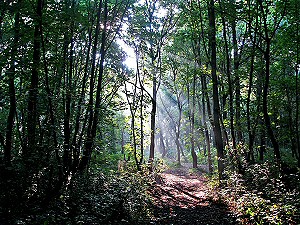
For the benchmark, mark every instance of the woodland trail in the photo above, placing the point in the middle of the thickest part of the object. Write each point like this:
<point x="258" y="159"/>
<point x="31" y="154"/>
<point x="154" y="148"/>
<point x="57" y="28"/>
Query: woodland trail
<point x="181" y="197"/>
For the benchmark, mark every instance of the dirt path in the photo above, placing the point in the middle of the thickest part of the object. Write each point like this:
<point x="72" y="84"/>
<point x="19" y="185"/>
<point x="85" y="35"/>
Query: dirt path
<point x="182" y="198"/>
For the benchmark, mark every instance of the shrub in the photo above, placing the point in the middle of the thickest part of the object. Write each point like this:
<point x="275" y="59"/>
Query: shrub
<point x="261" y="197"/>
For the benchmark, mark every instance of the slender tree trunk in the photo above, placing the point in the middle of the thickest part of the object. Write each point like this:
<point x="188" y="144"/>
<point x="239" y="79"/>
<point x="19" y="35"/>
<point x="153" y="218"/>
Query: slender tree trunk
<point x="251" y="131"/>
<point x="141" y="102"/>
<point x="12" y="93"/>
<point x="167" y="144"/>
<point x="153" y="115"/>
<point x="134" y="141"/>
<point x="206" y="133"/>
<point x="265" y="102"/>
<point x="290" y="125"/>
<point x="297" y="95"/>
<point x="100" y="73"/>
<point x="205" y="122"/>
<point x="162" y="144"/>
<point x="250" y="157"/>
<point x="95" y="116"/>
<point x="142" y="124"/>
<point x="194" y="155"/>
<point x="75" y="143"/>
<point x="67" y="114"/>
<point x="176" y="126"/>
<point x="262" y="147"/>
<point x="216" y="106"/>
<point x="178" y="149"/>
<point x="133" y="108"/>
<point x="178" y="130"/>
<point x="236" y="64"/>
<point x="230" y="90"/>
<point x="297" y="115"/>
<point x="33" y="91"/>
<point x="182" y="151"/>
<point x="92" y="75"/>
<point x="2" y="11"/>
<point x="156" y="40"/>
<point x="267" y="55"/>
<point x="50" y="102"/>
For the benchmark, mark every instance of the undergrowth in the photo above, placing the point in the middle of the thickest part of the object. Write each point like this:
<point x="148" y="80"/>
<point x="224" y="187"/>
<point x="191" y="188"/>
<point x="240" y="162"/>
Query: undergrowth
<point x="262" y="195"/>
<point x="97" y="198"/>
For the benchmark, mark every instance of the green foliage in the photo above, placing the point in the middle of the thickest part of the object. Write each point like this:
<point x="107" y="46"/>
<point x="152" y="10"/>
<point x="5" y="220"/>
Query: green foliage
<point x="112" y="200"/>
<point x="96" y="199"/>
<point x="174" y="165"/>
<point x="197" y="170"/>
<point x="160" y="165"/>
<point x="288" y="158"/>
<point x="261" y="196"/>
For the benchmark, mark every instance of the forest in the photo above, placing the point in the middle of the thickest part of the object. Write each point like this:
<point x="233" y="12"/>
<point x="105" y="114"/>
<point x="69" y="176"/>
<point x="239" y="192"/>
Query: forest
<point x="149" y="112"/>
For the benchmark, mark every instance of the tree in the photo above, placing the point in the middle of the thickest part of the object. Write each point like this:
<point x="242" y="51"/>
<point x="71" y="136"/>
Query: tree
<point x="268" y="35"/>
<point x="216" y="106"/>
<point x="175" y="95"/>
<point x="153" y="30"/>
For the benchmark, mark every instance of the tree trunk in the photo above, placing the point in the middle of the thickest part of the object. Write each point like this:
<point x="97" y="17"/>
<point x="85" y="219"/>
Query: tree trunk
<point x="230" y="90"/>
<point x="265" y="102"/>
<point x="50" y="102"/>
<point x="205" y="122"/>
<point x="162" y="144"/>
<point x="12" y="94"/>
<point x="133" y="108"/>
<point x="251" y="131"/>
<point x="33" y="91"/>
<point x="262" y="148"/>
<point x="67" y="104"/>
<point x="297" y="97"/>
<point x="142" y="124"/>
<point x="236" y="64"/>
<point x="95" y="113"/>
<point x="194" y="155"/>
<point x="178" y="129"/>
<point x="153" y="115"/>
<point x="75" y="142"/>
<point x="216" y="106"/>
<point x="267" y="55"/>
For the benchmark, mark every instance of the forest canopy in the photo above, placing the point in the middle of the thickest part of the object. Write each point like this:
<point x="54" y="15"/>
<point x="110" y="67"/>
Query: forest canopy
<point x="86" y="85"/>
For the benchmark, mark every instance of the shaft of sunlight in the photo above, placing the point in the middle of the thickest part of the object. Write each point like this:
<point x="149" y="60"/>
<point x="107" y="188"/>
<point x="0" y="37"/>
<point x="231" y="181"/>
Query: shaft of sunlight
<point x="130" y="60"/>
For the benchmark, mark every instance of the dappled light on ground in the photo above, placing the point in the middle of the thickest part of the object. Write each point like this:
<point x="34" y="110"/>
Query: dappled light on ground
<point x="183" y="198"/>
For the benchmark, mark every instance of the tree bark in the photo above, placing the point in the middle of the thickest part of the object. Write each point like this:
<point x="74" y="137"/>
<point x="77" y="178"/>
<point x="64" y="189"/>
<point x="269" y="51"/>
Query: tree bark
<point x="75" y="142"/>
<point x="216" y="106"/>
<point x="67" y="103"/>
<point x="229" y="80"/>
<point x="94" y="114"/>
<point x="267" y="55"/>
<point x="265" y="101"/>
<point x="33" y="91"/>
<point x="12" y="93"/>
<point x="206" y="132"/>
<point x="193" y="153"/>
<point x="162" y="144"/>
<point x="50" y="102"/>
<point x="153" y="115"/>
<point x="251" y="131"/>
<point x="297" y="95"/>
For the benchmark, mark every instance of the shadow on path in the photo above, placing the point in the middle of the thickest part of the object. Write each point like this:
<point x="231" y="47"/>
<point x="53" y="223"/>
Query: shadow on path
<point x="183" y="198"/>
